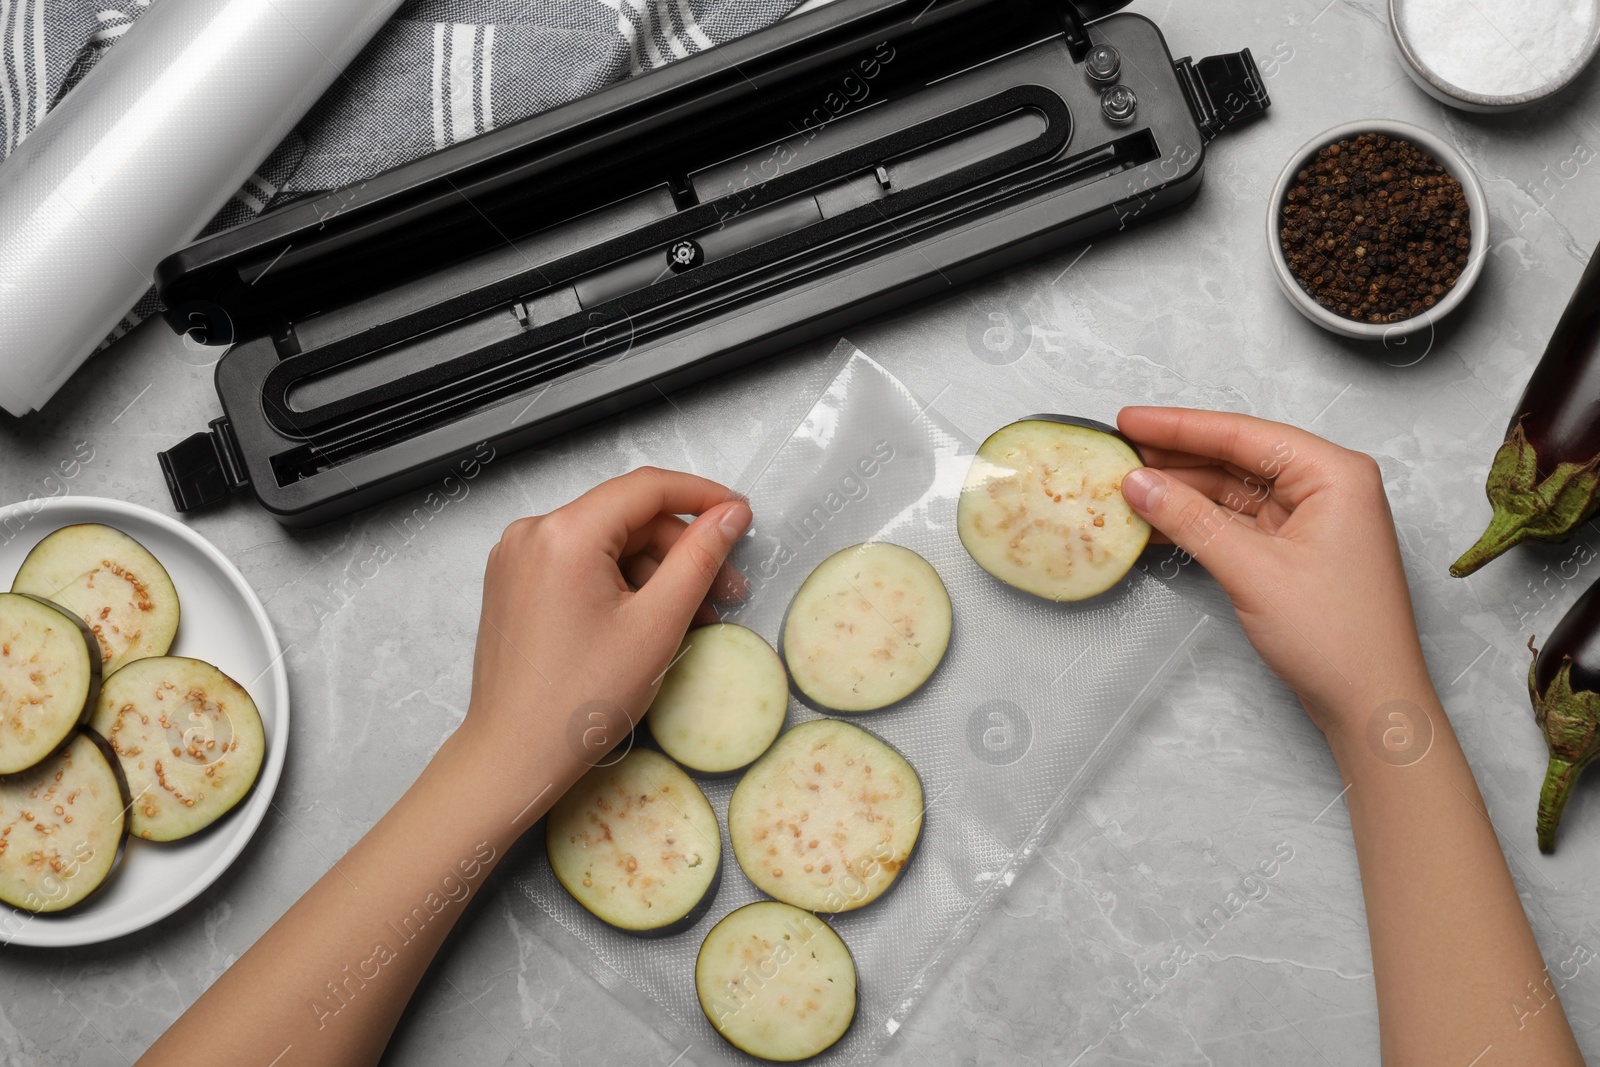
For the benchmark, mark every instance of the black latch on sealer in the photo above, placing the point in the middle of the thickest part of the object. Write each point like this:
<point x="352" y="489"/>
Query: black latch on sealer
<point x="204" y="468"/>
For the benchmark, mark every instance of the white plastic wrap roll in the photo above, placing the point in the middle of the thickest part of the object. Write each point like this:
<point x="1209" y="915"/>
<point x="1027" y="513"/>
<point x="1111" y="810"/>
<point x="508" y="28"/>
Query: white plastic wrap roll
<point x="140" y="155"/>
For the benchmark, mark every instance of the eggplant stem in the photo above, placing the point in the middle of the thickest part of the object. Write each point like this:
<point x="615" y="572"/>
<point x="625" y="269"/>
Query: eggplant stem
<point x="1559" y="778"/>
<point x="1530" y="505"/>
<point x="1505" y="532"/>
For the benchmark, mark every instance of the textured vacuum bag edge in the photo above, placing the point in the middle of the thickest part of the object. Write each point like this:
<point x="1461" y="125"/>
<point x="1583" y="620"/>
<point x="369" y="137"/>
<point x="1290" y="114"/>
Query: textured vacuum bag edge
<point x="140" y="155"/>
<point x="1030" y="699"/>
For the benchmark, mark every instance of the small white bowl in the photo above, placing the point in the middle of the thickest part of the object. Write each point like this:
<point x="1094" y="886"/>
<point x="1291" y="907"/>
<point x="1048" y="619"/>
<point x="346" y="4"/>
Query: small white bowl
<point x="1446" y="92"/>
<point x="1477" y="214"/>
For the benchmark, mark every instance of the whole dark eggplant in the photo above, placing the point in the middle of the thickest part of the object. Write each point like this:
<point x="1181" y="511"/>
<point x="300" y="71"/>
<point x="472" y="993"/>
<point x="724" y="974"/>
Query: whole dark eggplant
<point x="1545" y="479"/>
<point x="1564" y="685"/>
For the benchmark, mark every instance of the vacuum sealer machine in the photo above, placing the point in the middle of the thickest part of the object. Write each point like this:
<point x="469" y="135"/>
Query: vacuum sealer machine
<point x="595" y="257"/>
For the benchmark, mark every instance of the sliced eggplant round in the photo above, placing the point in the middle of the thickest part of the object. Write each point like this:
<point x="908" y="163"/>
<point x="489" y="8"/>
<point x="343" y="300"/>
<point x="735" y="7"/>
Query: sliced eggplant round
<point x="1042" y="507"/>
<point x="112" y="582"/>
<point x="62" y="825"/>
<point x="189" y="740"/>
<point x="866" y="628"/>
<point x="776" y="982"/>
<point x="722" y="701"/>
<point x="827" y="818"/>
<point x="636" y="843"/>
<point x="49" y="678"/>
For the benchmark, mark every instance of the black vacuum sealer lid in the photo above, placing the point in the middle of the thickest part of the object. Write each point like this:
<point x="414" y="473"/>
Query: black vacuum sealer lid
<point x="687" y="219"/>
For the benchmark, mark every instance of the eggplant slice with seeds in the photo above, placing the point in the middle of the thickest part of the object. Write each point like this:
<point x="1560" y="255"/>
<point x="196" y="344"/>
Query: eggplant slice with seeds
<point x="189" y="739"/>
<point x="62" y="824"/>
<point x="112" y="582"/>
<point x="776" y="982"/>
<point x="637" y="844"/>
<point x="827" y="818"/>
<point x="866" y="628"/>
<point x="49" y="678"/>
<point x="1042" y="507"/>
<point x="722" y="701"/>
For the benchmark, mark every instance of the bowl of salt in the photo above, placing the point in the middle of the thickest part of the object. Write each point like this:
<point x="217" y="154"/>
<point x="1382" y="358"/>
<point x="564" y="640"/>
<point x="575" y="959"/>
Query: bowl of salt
<point x="1494" y="56"/>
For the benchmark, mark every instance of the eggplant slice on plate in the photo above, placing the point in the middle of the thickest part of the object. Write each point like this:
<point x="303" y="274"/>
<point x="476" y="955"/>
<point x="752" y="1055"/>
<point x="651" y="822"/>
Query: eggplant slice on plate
<point x="722" y="701"/>
<point x="1042" y="507"/>
<point x="827" y="818"/>
<point x="112" y="582"/>
<point x="866" y="628"/>
<point x="49" y="678"/>
<point x="189" y="739"/>
<point x="62" y="824"/>
<point x="776" y="982"/>
<point x="636" y="843"/>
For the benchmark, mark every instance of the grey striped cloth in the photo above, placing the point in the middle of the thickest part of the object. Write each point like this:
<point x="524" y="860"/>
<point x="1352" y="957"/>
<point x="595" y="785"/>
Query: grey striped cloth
<point x="441" y="71"/>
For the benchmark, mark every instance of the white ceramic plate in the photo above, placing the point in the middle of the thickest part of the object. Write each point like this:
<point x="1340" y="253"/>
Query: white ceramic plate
<point x="222" y="622"/>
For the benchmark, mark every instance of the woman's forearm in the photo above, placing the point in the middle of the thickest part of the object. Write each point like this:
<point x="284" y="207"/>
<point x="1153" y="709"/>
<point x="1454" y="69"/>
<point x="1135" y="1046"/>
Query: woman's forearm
<point x="327" y="983"/>
<point x="583" y="611"/>
<point x="1452" y="952"/>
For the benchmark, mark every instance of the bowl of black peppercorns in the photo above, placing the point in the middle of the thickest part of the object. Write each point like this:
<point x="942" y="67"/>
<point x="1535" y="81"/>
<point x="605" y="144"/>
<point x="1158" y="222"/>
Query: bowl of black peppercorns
<point x="1377" y="229"/>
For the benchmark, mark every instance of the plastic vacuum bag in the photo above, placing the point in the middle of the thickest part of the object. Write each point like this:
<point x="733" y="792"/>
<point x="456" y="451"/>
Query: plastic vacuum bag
<point x="1030" y="698"/>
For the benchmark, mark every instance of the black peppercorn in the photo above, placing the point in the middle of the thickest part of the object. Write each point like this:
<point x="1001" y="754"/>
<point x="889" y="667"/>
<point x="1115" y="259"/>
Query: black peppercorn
<point x="1372" y="201"/>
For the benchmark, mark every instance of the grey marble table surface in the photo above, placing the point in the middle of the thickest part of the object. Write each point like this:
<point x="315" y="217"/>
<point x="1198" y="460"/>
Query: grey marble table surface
<point x="1222" y="771"/>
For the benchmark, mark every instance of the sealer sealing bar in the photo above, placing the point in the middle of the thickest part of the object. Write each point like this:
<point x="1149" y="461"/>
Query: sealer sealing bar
<point x="640" y="286"/>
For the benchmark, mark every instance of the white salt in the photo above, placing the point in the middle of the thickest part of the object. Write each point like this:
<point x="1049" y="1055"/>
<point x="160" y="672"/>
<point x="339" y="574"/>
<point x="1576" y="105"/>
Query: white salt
<point x="1498" y="47"/>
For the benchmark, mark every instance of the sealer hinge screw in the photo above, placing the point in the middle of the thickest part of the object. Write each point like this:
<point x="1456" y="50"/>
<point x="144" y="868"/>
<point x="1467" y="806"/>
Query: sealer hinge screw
<point x="1119" y="104"/>
<point x="1102" y="64"/>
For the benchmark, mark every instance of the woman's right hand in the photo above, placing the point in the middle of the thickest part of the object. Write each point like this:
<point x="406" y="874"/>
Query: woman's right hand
<point x="1298" y="533"/>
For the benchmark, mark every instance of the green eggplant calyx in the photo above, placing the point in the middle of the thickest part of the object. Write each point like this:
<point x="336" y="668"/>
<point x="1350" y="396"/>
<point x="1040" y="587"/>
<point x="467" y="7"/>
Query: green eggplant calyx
<point x="1570" y="722"/>
<point x="1558" y="781"/>
<point x="1533" y="684"/>
<point x="1527" y="506"/>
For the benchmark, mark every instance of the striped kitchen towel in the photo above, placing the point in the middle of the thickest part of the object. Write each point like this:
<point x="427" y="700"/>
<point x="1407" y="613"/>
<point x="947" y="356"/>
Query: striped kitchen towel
<point x="441" y="71"/>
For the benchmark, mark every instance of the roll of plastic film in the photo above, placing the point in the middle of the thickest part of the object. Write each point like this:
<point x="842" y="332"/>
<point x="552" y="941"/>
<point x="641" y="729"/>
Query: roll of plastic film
<point x="140" y="155"/>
